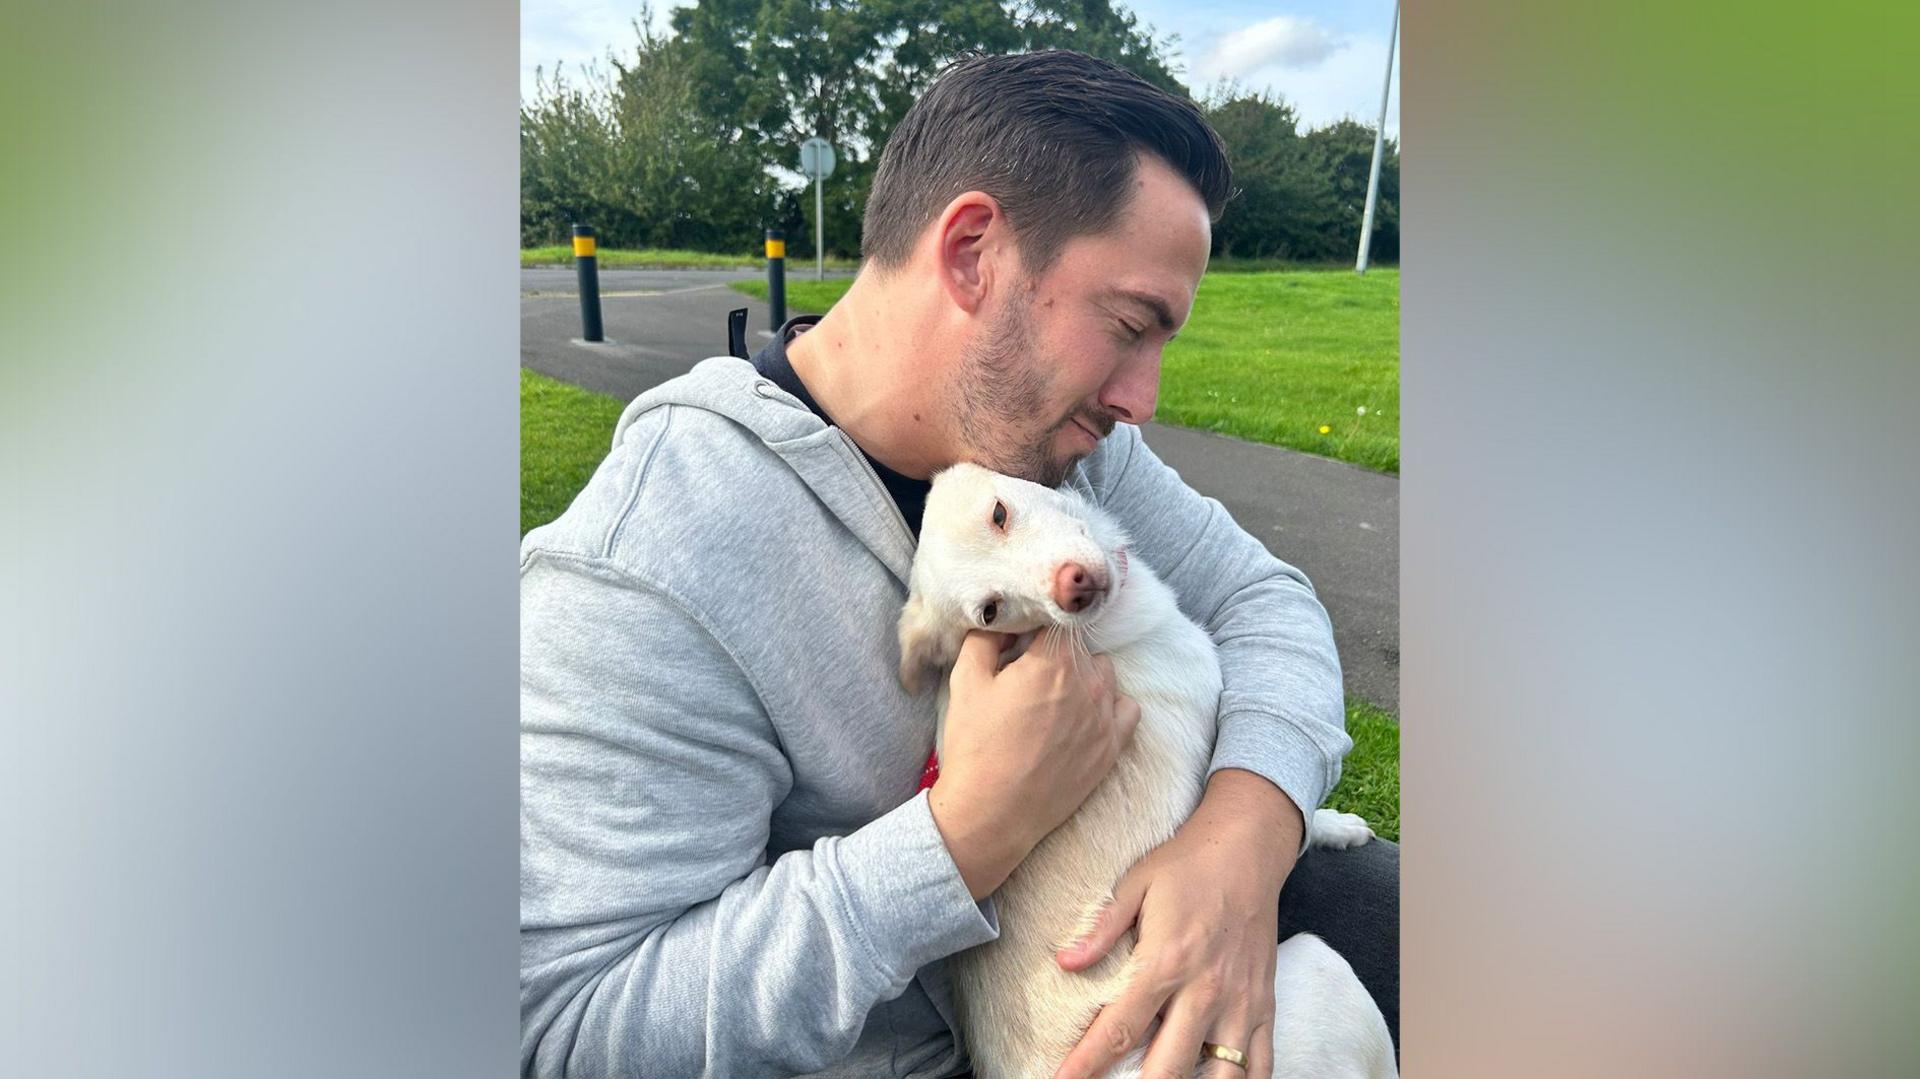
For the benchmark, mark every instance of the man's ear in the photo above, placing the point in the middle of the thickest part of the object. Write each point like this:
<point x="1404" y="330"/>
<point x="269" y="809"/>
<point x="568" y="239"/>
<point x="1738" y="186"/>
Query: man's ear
<point x="965" y="235"/>
<point x="926" y="648"/>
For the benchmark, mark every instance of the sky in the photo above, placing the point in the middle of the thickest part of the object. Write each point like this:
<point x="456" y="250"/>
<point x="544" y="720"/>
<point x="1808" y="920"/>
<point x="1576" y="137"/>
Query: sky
<point x="1326" y="58"/>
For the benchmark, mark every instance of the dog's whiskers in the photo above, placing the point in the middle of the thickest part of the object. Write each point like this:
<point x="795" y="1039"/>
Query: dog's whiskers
<point x="1077" y="646"/>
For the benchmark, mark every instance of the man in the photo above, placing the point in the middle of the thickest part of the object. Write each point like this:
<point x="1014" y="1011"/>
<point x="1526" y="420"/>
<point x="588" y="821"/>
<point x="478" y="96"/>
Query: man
<point x="725" y="868"/>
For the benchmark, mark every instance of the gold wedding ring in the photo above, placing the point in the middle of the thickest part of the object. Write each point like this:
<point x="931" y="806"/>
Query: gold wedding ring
<point x="1220" y="1052"/>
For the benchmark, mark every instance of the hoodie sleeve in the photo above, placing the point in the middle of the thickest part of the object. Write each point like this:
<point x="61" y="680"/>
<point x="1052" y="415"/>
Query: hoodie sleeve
<point x="656" y="938"/>
<point x="1282" y="709"/>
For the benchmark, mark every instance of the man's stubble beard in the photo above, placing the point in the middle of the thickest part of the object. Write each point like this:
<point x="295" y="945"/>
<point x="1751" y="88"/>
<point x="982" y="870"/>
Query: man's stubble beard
<point x="1002" y="383"/>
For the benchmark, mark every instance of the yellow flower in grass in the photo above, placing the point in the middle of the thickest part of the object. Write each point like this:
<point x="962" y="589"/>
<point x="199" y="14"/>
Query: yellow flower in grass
<point x="1325" y="430"/>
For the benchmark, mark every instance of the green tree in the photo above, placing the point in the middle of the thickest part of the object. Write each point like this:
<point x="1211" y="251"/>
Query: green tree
<point x="1281" y="205"/>
<point x="777" y="72"/>
<point x="567" y="144"/>
<point x="1343" y="152"/>
<point x="692" y="139"/>
<point x="1300" y="195"/>
<point x="637" y="152"/>
<point x="1098" y="28"/>
<point x="785" y="70"/>
<point x="694" y="181"/>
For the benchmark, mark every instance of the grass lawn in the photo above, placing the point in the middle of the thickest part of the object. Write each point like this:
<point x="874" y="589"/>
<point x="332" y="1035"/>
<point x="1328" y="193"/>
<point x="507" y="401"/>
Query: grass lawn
<point x="1271" y="357"/>
<point x="565" y="431"/>
<point x="807" y="297"/>
<point x="1221" y="264"/>
<point x="1370" y="780"/>
<point x="654" y="258"/>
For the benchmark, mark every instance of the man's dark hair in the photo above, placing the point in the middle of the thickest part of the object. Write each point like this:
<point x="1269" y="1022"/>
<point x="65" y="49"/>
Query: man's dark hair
<point x="1054" y="137"/>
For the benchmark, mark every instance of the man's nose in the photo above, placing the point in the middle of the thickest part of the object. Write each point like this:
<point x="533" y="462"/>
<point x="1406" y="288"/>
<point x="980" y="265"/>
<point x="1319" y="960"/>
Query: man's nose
<point x="1133" y="391"/>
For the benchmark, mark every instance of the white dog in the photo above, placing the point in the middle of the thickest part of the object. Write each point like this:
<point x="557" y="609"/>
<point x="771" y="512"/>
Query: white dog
<point x="1002" y="554"/>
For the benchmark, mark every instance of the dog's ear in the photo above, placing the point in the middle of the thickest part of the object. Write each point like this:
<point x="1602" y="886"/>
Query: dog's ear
<point x="926" y="648"/>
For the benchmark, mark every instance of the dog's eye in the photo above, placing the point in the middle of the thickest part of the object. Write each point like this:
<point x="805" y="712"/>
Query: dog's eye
<point x="989" y="613"/>
<point x="1000" y="516"/>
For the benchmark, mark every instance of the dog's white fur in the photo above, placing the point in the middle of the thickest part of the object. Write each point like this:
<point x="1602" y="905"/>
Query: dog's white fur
<point x="1021" y="1013"/>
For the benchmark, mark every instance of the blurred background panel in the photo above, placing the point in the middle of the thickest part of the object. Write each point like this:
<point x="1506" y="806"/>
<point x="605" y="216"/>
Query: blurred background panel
<point x="1659" y="593"/>
<point x="1657" y="614"/>
<point x="257" y="399"/>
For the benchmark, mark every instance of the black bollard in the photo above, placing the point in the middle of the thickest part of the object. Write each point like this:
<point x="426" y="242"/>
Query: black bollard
<point x="588" y="265"/>
<point x="777" y="277"/>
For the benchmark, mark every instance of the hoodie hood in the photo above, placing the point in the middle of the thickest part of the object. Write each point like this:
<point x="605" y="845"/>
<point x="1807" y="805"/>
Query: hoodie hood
<point x="825" y="458"/>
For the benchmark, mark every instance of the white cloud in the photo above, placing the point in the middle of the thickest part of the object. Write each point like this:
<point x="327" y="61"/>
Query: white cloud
<point x="1284" y="41"/>
<point x="1343" y="82"/>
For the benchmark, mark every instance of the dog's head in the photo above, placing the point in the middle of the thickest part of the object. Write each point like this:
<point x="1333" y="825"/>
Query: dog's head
<point x="1002" y="554"/>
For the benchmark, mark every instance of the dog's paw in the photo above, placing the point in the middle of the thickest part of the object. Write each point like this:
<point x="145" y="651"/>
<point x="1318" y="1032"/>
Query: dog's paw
<point x="1338" y="831"/>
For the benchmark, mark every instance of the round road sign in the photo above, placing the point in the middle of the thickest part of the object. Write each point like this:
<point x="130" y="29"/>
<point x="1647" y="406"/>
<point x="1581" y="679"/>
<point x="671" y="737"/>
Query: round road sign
<point x="816" y="158"/>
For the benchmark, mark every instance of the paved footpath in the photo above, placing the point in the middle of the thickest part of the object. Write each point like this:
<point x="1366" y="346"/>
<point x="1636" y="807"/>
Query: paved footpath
<point x="1338" y="523"/>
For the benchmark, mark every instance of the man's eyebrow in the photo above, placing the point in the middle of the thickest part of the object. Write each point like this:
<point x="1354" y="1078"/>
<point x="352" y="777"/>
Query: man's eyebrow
<point x="1154" y="306"/>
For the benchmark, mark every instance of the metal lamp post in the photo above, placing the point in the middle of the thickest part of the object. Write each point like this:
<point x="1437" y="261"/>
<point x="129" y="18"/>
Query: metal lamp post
<point x="1379" y="138"/>
<point x="816" y="161"/>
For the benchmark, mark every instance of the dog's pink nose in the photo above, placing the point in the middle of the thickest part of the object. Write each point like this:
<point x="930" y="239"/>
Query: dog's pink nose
<point x="1075" y="587"/>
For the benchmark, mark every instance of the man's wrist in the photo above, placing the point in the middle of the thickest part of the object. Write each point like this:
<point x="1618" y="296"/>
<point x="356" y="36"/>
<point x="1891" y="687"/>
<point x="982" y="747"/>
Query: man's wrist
<point x="985" y="856"/>
<point x="1246" y="807"/>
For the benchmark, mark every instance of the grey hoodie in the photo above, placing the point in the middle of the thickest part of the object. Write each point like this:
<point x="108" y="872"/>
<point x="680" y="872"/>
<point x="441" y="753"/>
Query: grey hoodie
<point x="724" y="868"/>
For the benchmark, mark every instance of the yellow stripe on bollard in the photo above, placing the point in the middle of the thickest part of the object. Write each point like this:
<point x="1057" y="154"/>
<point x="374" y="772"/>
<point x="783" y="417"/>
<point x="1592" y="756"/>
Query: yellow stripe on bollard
<point x="582" y="247"/>
<point x="776" y="249"/>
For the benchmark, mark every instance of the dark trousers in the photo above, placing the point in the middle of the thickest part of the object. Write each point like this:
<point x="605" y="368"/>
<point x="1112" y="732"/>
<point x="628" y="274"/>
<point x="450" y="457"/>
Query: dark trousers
<point x="1351" y="899"/>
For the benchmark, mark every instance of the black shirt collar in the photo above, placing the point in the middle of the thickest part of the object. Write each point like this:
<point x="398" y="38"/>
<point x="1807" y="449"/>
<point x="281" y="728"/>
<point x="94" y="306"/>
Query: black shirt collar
<point x="908" y="493"/>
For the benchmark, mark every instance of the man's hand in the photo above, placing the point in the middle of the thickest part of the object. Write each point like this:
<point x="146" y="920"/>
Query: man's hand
<point x="1207" y="904"/>
<point x="1024" y="746"/>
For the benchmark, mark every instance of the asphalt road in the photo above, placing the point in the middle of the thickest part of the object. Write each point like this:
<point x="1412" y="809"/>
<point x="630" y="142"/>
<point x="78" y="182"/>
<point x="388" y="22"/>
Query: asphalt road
<point x="1337" y="523"/>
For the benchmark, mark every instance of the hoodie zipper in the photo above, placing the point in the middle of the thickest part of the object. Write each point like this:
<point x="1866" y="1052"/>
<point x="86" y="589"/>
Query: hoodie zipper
<point x="885" y="495"/>
<point x="762" y="385"/>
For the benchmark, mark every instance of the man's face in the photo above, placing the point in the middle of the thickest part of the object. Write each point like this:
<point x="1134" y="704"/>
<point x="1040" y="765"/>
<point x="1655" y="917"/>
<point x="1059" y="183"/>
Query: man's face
<point x="1068" y="353"/>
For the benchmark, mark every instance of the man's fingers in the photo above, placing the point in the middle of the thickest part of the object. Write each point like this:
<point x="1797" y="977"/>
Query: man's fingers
<point x="1114" y="921"/>
<point x="1102" y="681"/>
<point x="1051" y="648"/>
<point x="979" y="653"/>
<point x="1049" y="645"/>
<point x="1237" y="1027"/>
<point x="1176" y="1047"/>
<point x="1126" y="718"/>
<point x="1114" y="1032"/>
<point x="1112" y="1035"/>
<point x="1259" y="1050"/>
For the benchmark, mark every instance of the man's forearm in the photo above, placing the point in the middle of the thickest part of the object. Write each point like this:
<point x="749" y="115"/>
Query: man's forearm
<point x="985" y="857"/>
<point x="1242" y="807"/>
<point x="775" y="975"/>
<point x="655" y="938"/>
<point x="1282" y="705"/>
<point x="1282" y="710"/>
